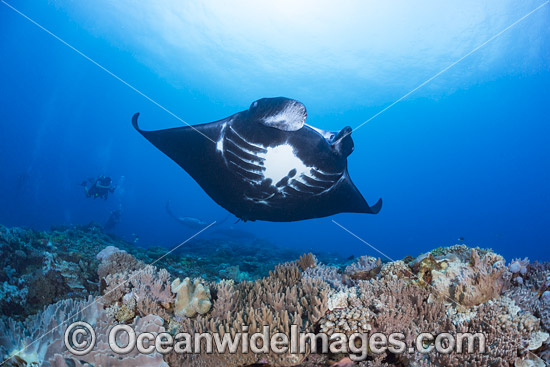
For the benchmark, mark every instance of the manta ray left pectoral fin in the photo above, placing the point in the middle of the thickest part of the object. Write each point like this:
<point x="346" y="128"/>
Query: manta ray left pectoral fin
<point x="208" y="131"/>
<point x="188" y="146"/>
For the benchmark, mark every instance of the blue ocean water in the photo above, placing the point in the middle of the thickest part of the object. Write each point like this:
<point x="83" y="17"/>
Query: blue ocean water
<point x="464" y="156"/>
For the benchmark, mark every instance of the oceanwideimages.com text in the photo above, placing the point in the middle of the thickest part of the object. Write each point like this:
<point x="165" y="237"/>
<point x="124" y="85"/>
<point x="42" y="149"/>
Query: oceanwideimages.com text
<point x="80" y="339"/>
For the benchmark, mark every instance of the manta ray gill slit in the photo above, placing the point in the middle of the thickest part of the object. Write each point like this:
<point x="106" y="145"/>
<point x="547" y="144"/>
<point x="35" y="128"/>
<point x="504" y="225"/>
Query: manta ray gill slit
<point x="219" y="143"/>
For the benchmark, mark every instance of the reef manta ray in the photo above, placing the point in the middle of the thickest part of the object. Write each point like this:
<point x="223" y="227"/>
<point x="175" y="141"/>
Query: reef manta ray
<point x="266" y="163"/>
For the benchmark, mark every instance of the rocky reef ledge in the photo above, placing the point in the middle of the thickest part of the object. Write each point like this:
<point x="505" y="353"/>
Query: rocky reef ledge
<point x="50" y="279"/>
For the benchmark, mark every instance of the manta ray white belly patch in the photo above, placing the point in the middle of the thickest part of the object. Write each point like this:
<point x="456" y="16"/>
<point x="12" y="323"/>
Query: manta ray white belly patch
<point x="280" y="161"/>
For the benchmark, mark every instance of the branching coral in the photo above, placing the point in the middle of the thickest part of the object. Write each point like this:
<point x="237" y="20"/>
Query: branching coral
<point x="307" y="261"/>
<point x="116" y="261"/>
<point x="149" y="287"/>
<point x="533" y="303"/>
<point x="506" y="332"/>
<point x="280" y="300"/>
<point x="328" y="274"/>
<point x="388" y="307"/>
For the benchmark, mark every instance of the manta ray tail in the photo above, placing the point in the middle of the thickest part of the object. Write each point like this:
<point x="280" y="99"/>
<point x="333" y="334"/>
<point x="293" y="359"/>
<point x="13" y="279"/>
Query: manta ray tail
<point x="169" y="211"/>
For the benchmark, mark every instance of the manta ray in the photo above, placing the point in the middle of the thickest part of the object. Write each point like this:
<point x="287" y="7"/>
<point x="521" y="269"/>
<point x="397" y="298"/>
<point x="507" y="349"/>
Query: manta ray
<point x="189" y="222"/>
<point x="266" y="163"/>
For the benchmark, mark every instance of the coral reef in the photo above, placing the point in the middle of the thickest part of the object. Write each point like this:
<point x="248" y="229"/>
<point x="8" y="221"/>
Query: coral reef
<point x="364" y="268"/>
<point x="40" y="337"/>
<point x="327" y="273"/>
<point x="144" y="292"/>
<point x="40" y="268"/>
<point x="115" y="261"/>
<point x="192" y="298"/>
<point x="65" y="263"/>
<point x="448" y="290"/>
<point x="307" y="261"/>
<point x="468" y="282"/>
<point x="278" y="301"/>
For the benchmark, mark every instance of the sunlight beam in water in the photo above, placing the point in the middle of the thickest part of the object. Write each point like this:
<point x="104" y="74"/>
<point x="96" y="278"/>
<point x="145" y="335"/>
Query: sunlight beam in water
<point x="349" y="48"/>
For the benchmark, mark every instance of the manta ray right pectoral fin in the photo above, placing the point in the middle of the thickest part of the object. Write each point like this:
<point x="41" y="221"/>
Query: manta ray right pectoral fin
<point x="353" y="201"/>
<point x="135" y="121"/>
<point x="360" y="205"/>
<point x="376" y="207"/>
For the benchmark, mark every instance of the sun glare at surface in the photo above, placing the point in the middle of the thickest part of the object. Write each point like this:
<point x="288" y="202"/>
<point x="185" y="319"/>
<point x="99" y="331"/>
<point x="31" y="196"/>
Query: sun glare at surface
<point x="347" y="48"/>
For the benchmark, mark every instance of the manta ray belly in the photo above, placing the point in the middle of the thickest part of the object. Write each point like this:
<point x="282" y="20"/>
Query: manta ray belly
<point x="280" y="162"/>
<point x="273" y="173"/>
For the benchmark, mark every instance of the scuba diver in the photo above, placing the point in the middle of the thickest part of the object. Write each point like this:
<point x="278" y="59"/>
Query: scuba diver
<point x="99" y="188"/>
